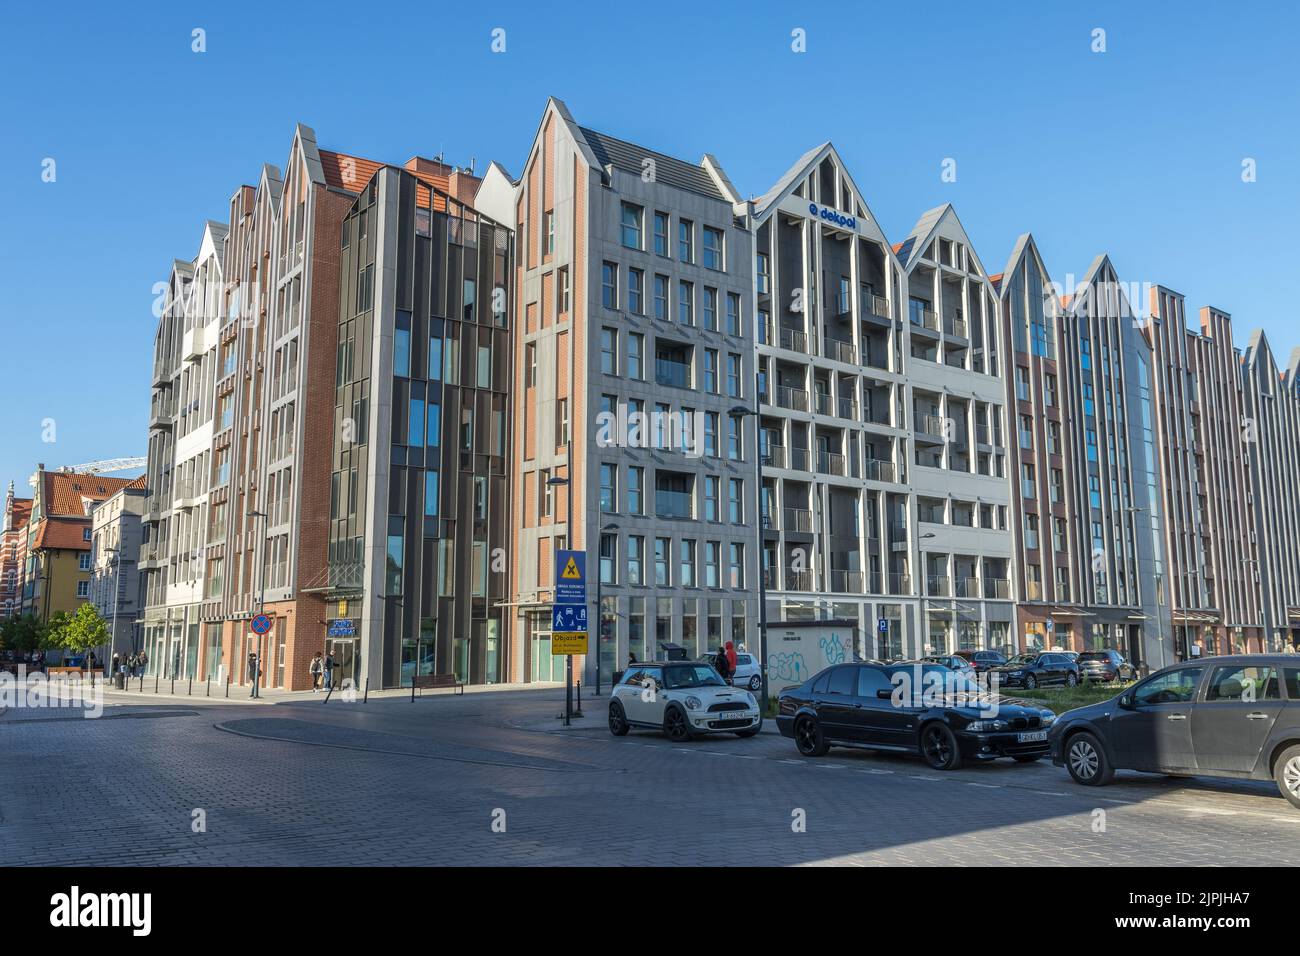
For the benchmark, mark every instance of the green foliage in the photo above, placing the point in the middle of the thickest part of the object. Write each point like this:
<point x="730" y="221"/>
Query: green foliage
<point x="80" y="631"/>
<point x="23" y="634"/>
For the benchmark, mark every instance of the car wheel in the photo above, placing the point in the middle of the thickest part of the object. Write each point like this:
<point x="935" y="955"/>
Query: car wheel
<point x="1287" y="774"/>
<point x="1030" y="682"/>
<point x="675" y="725"/>
<point x="808" y="737"/>
<point x="1027" y="758"/>
<point x="618" y="725"/>
<point x="1071" y="679"/>
<point x="755" y="682"/>
<point x="1086" y="760"/>
<point x="939" y="746"/>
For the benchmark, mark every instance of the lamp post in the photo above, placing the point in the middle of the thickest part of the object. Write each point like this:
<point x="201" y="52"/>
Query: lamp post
<point x="741" y="411"/>
<point x="554" y="481"/>
<point x="600" y="609"/>
<point x="117" y="594"/>
<point x="261" y="592"/>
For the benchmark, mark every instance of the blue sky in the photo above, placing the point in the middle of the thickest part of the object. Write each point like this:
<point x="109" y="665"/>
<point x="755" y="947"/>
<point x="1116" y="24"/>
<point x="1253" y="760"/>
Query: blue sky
<point x="1136" y="151"/>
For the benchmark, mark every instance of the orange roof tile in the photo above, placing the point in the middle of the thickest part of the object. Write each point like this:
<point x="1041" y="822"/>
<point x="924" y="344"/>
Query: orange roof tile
<point x="897" y="246"/>
<point x="65" y="534"/>
<point x="64" y="491"/>
<point x="349" y="173"/>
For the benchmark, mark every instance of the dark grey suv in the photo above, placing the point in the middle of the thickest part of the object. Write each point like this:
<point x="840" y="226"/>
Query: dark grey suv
<point x="1235" y="716"/>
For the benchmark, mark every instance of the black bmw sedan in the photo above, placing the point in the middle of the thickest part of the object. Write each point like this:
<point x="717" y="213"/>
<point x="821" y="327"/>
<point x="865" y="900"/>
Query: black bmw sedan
<point x="923" y="709"/>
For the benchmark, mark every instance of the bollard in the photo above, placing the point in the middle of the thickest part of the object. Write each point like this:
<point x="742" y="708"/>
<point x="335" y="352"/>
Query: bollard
<point x="190" y="692"/>
<point x="329" y="690"/>
<point x="227" y="685"/>
<point x="142" y="682"/>
<point x="209" y="685"/>
<point x="155" y="682"/>
<point x="365" y="697"/>
<point x="173" y="690"/>
<point x="412" y="688"/>
<point x="577" y="704"/>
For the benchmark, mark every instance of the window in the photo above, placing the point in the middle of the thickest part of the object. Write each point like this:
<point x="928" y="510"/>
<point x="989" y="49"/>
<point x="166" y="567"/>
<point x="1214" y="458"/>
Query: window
<point x="636" y="291"/>
<point x="545" y="493"/>
<point x="433" y="436"/>
<point x="609" y="351"/>
<point x="608" y="548"/>
<point x="635" y="490"/>
<point x="736" y="564"/>
<point x="711" y="499"/>
<point x="402" y="352"/>
<point x="470" y="300"/>
<point x="661" y="233"/>
<point x="561" y="421"/>
<point x="635" y="559"/>
<point x="562" y="302"/>
<point x="1026" y="432"/>
<point x="661" y="297"/>
<point x="1247" y="683"/>
<point x="711" y="434"/>
<point x="83" y="562"/>
<point x="735" y="451"/>
<point x="415" y="423"/>
<point x="736" y="500"/>
<point x="83" y="589"/>
<point x="608" y="489"/>
<point x="631" y="232"/>
<point x="733" y="376"/>
<point x="712" y="564"/>
<point x="685" y="240"/>
<point x="713" y="248"/>
<point x="1175" y="687"/>
<point x="530" y="365"/>
<point x="431" y="494"/>
<point x="1049" y="390"/>
<point x="635" y="353"/>
<point x="711" y="371"/>
<point x="733" y="314"/>
<point x="1027" y="480"/>
<point x="1022" y="383"/>
<point x="711" y="309"/>
<point x="685" y="302"/>
<point x="687" y="579"/>
<point x="1031" y="532"/>
<point x="762" y="267"/>
<point x="609" y="285"/>
<point x="661" y="561"/>
<point x="548" y="223"/>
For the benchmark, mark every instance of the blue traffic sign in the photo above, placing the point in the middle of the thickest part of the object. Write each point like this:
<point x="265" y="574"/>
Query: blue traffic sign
<point x="260" y="624"/>
<point x="882" y="626"/>
<point x="569" y="618"/>
<point x="571" y="577"/>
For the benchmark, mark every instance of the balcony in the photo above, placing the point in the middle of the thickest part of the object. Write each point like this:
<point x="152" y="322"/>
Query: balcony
<point x="847" y="408"/>
<point x="672" y="374"/>
<point x="876" y="305"/>
<point x="839" y="350"/>
<point x="795" y="399"/>
<point x="674" y="504"/>
<point x="842" y="305"/>
<point x="924" y="319"/>
<point x="775" y="457"/>
<point x="878" y="470"/>
<point x="929" y="426"/>
<point x="799" y="459"/>
<point x="967" y="587"/>
<point x="998" y="588"/>
<point x="938" y="585"/>
<point x="898" y="583"/>
<point x="798" y="519"/>
<point x="798" y="580"/>
<point x="192" y="345"/>
<point x="830" y="463"/>
<point x="956" y="326"/>
<point x="822" y="403"/>
<point x="846" y="582"/>
<point x="768" y="521"/>
<point x="794" y="341"/>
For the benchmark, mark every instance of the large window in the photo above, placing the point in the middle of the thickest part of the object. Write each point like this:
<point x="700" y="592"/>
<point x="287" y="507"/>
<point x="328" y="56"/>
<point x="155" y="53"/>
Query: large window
<point x="609" y="285"/>
<point x="632" y="225"/>
<point x="661" y="233"/>
<point x="685" y="240"/>
<point x="431" y="494"/>
<point x="713" y="242"/>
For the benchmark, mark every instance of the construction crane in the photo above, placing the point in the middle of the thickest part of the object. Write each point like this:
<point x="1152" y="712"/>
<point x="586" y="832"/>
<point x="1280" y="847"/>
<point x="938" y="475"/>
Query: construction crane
<point x="103" y="466"/>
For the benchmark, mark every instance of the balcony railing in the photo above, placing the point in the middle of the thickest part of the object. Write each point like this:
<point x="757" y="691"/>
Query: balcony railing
<point x="938" y="585"/>
<point x="798" y="580"/>
<point x="840" y="351"/>
<point x="830" y="463"/>
<point x="673" y="504"/>
<point x="876" y="305"/>
<point x="822" y="403"/>
<point x="899" y="583"/>
<point x="846" y="582"/>
<point x="847" y="408"/>
<point x="792" y="398"/>
<point x="794" y="341"/>
<point x="798" y="519"/>
<point x="775" y="457"/>
<point x="955" y="325"/>
<point x="931" y="425"/>
<point x="967" y="587"/>
<point x="925" y="319"/>
<point x="674" y="374"/>
<point x="997" y="588"/>
<point x="799" y="459"/>
<point x="878" y="470"/>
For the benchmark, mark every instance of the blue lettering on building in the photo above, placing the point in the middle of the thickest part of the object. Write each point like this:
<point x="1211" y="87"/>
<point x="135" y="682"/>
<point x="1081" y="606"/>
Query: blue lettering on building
<point x="833" y="217"/>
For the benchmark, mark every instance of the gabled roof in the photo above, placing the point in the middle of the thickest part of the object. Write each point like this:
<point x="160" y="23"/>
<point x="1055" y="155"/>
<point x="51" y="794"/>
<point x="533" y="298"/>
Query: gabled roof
<point x="792" y="177"/>
<point x="65" y="492"/>
<point x="629" y="157"/>
<point x="1100" y="263"/>
<point x="346" y="172"/>
<point x="1025" y="245"/>
<point x="63" y="534"/>
<point x="919" y="238"/>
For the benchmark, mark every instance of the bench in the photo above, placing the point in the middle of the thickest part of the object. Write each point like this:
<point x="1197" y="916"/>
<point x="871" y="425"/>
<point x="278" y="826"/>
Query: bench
<point x="435" y="681"/>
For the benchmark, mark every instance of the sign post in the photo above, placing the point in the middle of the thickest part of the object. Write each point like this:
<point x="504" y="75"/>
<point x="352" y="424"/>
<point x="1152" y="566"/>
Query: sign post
<point x="569" y="616"/>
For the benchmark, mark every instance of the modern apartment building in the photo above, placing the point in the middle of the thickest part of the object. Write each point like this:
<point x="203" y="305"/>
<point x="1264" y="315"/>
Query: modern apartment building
<point x="13" y="551"/>
<point x="181" y="423"/>
<point x="1271" y="399"/>
<point x="634" y="378"/>
<point x="953" y="399"/>
<point x="116" y="532"/>
<point x="1089" y="566"/>
<point x="1210" y="526"/>
<point x="420" y="497"/>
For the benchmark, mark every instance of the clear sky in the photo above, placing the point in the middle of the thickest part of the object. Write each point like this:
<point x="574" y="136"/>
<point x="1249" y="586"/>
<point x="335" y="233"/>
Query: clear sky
<point x="1136" y="151"/>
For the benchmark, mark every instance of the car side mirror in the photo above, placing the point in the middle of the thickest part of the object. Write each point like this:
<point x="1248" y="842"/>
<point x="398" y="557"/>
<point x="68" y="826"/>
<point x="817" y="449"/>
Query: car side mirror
<point x="1126" y="701"/>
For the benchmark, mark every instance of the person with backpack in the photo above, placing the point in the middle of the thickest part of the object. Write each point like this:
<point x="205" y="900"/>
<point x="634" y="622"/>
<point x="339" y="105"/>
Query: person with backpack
<point x="317" y="666"/>
<point x="722" y="665"/>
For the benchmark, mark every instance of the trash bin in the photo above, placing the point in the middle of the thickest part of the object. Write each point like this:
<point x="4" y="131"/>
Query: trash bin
<point x="119" y="680"/>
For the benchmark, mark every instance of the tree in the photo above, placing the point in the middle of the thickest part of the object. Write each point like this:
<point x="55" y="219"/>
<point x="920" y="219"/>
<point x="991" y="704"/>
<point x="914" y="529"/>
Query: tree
<point x="80" y="631"/>
<point x="24" y="633"/>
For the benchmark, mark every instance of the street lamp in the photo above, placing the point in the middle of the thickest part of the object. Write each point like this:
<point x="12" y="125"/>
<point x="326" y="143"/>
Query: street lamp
<point x="600" y="615"/>
<point x="741" y="412"/>
<point x="117" y="595"/>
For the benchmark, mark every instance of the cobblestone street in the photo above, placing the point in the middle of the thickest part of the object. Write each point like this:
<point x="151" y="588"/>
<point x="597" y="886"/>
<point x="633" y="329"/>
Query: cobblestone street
<point x="394" y="782"/>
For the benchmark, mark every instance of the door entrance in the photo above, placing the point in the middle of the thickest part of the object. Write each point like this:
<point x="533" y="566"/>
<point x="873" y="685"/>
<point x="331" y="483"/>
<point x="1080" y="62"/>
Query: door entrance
<point x="347" y="660"/>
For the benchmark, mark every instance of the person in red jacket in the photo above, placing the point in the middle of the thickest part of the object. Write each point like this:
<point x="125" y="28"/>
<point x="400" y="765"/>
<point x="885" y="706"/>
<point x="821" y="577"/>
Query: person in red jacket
<point x="731" y="656"/>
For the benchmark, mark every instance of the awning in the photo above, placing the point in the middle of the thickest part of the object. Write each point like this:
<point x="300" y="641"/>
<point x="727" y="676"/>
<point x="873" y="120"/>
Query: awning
<point x="1194" y="617"/>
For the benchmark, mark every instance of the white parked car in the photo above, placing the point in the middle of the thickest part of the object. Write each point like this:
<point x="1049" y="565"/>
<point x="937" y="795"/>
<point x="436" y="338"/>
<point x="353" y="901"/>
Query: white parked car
<point x="747" y="673"/>
<point x="682" y="699"/>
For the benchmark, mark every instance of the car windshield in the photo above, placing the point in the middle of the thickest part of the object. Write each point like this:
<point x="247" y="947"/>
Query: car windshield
<point x="935" y="679"/>
<point x="1023" y="659"/>
<point x="693" y="675"/>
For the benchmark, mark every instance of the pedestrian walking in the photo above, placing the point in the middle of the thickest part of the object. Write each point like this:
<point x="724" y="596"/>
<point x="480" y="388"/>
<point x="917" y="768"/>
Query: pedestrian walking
<point x="722" y="665"/>
<point x="253" y="672"/>
<point x="329" y="670"/>
<point x="317" y="665"/>
<point x="144" y="662"/>
<point x="731" y="656"/>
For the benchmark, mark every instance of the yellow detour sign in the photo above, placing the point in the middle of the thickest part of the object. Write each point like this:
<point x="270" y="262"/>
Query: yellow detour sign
<point x="568" y="642"/>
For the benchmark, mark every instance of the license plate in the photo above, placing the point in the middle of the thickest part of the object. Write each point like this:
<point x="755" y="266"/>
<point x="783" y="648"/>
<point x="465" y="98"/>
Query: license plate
<point x="1031" y="736"/>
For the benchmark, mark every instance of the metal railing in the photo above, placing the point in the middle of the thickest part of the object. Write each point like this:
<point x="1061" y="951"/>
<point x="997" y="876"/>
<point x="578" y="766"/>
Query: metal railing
<point x="798" y="519"/>
<point x="792" y="398"/>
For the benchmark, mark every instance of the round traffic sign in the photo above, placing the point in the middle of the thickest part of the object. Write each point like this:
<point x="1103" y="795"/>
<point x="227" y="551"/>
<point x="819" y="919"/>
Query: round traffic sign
<point x="260" y="624"/>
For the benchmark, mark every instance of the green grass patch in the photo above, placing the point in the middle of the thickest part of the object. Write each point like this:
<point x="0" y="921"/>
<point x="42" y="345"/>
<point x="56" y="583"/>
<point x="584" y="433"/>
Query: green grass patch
<point x="1061" y="699"/>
